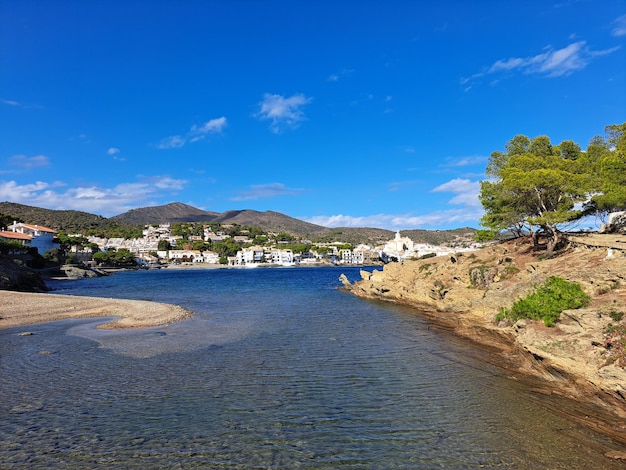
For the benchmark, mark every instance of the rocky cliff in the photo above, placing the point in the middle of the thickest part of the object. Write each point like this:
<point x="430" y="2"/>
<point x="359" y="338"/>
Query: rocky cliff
<point x="578" y="358"/>
<point x="14" y="275"/>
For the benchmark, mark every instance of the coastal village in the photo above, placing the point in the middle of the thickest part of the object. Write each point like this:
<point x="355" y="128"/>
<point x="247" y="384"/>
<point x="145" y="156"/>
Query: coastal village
<point x="148" y="251"/>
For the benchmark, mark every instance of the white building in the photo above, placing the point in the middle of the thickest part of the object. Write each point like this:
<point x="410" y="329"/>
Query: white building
<point x="42" y="237"/>
<point x="400" y="247"/>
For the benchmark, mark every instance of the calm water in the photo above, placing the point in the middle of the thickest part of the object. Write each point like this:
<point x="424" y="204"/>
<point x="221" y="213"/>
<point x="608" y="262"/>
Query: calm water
<point x="278" y="369"/>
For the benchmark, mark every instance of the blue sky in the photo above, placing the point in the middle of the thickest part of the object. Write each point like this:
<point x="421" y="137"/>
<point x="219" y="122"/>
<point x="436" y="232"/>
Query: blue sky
<point x="342" y="113"/>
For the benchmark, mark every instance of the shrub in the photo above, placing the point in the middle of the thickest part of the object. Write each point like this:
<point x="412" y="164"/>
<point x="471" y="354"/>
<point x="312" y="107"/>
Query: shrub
<point x="547" y="302"/>
<point x="615" y="315"/>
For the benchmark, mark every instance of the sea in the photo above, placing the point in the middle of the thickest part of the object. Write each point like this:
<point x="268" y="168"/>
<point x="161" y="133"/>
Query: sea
<point x="278" y="369"/>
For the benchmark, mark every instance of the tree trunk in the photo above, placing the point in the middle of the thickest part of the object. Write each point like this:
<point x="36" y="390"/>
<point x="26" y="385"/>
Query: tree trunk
<point x="535" y="237"/>
<point x="553" y="239"/>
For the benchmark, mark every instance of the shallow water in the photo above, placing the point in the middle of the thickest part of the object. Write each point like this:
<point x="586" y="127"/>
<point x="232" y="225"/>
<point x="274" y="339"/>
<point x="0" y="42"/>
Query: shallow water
<point x="278" y="369"/>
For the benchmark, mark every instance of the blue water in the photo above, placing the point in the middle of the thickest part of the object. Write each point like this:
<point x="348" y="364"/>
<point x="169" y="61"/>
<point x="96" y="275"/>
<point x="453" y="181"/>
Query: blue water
<point x="277" y="369"/>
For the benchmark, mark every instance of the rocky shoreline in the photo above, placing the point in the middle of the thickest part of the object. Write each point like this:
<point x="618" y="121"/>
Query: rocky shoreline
<point x="463" y="293"/>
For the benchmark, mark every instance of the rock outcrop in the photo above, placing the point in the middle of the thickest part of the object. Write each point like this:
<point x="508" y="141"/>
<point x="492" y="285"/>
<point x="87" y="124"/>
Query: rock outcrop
<point x="14" y="275"/>
<point x="77" y="272"/>
<point x="575" y="359"/>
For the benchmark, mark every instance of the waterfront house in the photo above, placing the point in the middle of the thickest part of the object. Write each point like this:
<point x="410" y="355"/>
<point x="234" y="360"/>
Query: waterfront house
<point x="42" y="237"/>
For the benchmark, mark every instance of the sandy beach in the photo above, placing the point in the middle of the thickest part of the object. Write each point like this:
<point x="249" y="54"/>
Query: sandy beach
<point x="18" y="309"/>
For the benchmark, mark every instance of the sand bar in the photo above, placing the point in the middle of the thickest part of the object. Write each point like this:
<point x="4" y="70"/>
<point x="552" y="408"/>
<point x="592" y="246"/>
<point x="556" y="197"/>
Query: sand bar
<point x="18" y="309"/>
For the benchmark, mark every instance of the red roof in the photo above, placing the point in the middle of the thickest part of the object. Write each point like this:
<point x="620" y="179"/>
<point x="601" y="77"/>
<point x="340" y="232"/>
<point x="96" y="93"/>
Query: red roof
<point x="41" y="228"/>
<point x="15" y="235"/>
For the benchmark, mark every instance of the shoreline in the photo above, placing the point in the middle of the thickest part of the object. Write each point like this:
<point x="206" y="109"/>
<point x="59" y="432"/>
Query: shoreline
<point x="25" y="308"/>
<point x="462" y="294"/>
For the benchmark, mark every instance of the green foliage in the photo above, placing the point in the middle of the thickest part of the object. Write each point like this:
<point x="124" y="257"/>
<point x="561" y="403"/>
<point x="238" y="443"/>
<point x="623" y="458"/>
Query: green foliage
<point x="112" y="257"/>
<point x="164" y="245"/>
<point x="6" y="220"/>
<point x="226" y="248"/>
<point x="12" y="247"/>
<point x="547" y="302"/>
<point x="486" y="235"/>
<point x="425" y="267"/>
<point x="536" y="185"/>
<point x="615" y="315"/>
<point x="428" y="255"/>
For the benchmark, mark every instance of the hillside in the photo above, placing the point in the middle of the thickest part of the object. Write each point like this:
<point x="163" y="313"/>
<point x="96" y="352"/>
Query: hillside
<point x="76" y="221"/>
<point x="67" y="220"/>
<point x="173" y="212"/>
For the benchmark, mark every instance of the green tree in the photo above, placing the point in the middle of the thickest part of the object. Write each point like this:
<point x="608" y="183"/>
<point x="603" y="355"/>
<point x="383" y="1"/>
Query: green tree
<point x="533" y="187"/>
<point x="6" y="220"/>
<point x="164" y="245"/>
<point x="609" y="162"/>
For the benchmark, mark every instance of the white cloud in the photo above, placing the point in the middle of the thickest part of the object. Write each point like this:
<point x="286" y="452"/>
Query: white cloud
<point x="282" y="112"/>
<point x="113" y="151"/>
<point x="437" y="219"/>
<point x="93" y="199"/>
<point x="195" y="134"/>
<point x="466" y="196"/>
<point x="27" y="163"/>
<point x="214" y="126"/>
<point x="258" y="191"/>
<point x="551" y="63"/>
<point x="620" y="26"/>
<point x="466" y="191"/>
<point x="172" y="142"/>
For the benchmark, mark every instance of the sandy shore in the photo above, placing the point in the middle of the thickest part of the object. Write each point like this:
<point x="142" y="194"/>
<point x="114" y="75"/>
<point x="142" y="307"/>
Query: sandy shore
<point x="18" y="309"/>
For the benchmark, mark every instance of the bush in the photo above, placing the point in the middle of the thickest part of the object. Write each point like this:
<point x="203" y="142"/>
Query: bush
<point x="547" y="302"/>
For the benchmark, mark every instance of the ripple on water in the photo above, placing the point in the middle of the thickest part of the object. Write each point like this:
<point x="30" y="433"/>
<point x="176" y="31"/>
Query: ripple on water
<point x="277" y="370"/>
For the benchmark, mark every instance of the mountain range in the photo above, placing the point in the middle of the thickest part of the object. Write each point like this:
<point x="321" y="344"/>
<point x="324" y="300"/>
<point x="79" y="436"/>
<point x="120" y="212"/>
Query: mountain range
<point x="75" y="221"/>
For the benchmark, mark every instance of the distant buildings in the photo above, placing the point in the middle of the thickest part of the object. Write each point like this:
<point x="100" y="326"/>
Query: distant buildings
<point x="147" y="251"/>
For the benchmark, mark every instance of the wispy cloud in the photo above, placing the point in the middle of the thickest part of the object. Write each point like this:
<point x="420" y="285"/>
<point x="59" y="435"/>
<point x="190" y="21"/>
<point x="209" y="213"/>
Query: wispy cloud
<point x="19" y="104"/>
<point x="335" y="77"/>
<point x="11" y="103"/>
<point x="258" y="191"/>
<point x="94" y="199"/>
<point x="283" y="113"/>
<point x="28" y="163"/>
<point x="551" y="63"/>
<point x="195" y="134"/>
<point x="467" y="161"/>
<point x="172" y="142"/>
<point x="466" y="196"/>
<point x="214" y="126"/>
<point x="113" y="151"/>
<point x="397" y="185"/>
<point x="619" y="26"/>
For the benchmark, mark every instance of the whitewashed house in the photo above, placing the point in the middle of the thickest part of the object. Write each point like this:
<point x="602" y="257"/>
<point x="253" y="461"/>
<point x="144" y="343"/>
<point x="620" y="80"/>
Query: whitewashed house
<point x="42" y="237"/>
